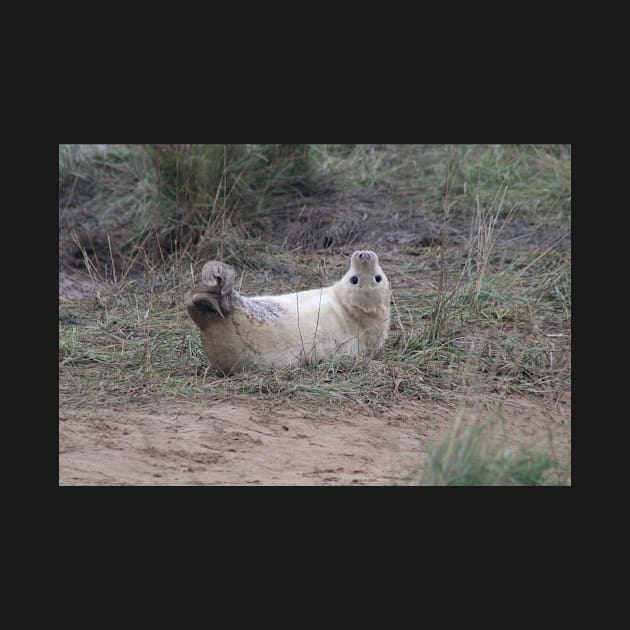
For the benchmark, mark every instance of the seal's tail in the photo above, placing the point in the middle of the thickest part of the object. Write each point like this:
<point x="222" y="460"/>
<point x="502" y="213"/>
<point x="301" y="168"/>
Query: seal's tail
<point x="211" y="296"/>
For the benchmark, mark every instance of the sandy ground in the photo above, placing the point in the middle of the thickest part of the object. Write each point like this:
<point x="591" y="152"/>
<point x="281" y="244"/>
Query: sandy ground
<point x="257" y="443"/>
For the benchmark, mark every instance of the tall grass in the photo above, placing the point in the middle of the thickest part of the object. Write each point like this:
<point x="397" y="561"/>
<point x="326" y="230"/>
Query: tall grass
<point x="159" y="199"/>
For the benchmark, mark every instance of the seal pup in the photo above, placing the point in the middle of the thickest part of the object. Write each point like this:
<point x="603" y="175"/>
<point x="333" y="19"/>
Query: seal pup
<point x="237" y="332"/>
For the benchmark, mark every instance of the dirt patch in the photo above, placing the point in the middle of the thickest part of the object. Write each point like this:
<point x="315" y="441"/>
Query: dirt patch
<point x="259" y="444"/>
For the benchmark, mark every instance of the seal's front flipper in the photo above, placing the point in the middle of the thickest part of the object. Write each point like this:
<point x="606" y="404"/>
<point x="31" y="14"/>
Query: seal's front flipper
<point x="205" y="298"/>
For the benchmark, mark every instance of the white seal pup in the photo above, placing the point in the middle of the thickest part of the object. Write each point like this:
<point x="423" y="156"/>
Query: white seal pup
<point x="351" y="316"/>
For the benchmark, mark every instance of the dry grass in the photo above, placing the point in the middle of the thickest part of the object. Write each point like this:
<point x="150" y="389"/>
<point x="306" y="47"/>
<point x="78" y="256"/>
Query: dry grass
<point x="480" y="310"/>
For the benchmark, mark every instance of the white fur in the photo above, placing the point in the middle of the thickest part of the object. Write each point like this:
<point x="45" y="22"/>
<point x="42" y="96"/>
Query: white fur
<point x="297" y="328"/>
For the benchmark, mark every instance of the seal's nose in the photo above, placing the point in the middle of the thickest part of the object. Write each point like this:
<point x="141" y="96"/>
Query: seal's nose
<point x="364" y="255"/>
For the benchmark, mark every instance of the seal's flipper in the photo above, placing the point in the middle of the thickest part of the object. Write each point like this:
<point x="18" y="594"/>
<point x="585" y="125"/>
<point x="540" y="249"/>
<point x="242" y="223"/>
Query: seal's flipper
<point x="205" y="298"/>
<point x="218" y="275"/>
<point x="213" y="296"/>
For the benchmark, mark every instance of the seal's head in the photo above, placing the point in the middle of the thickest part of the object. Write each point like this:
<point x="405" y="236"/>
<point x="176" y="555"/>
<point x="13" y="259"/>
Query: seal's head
<point x="364" y="286"/>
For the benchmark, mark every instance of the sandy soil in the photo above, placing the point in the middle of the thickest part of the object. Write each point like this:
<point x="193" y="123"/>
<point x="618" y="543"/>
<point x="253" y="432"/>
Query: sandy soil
<point x="256" y="443"/>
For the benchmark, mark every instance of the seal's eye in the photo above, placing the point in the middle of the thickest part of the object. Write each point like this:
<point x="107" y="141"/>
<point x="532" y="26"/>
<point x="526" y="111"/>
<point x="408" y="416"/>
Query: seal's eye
<point x="377" y="278"/>
<point x="354" y="280"/>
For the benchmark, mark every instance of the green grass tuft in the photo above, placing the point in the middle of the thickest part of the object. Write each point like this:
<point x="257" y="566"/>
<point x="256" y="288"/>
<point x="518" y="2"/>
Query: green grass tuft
<point x="474" y="456"/>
